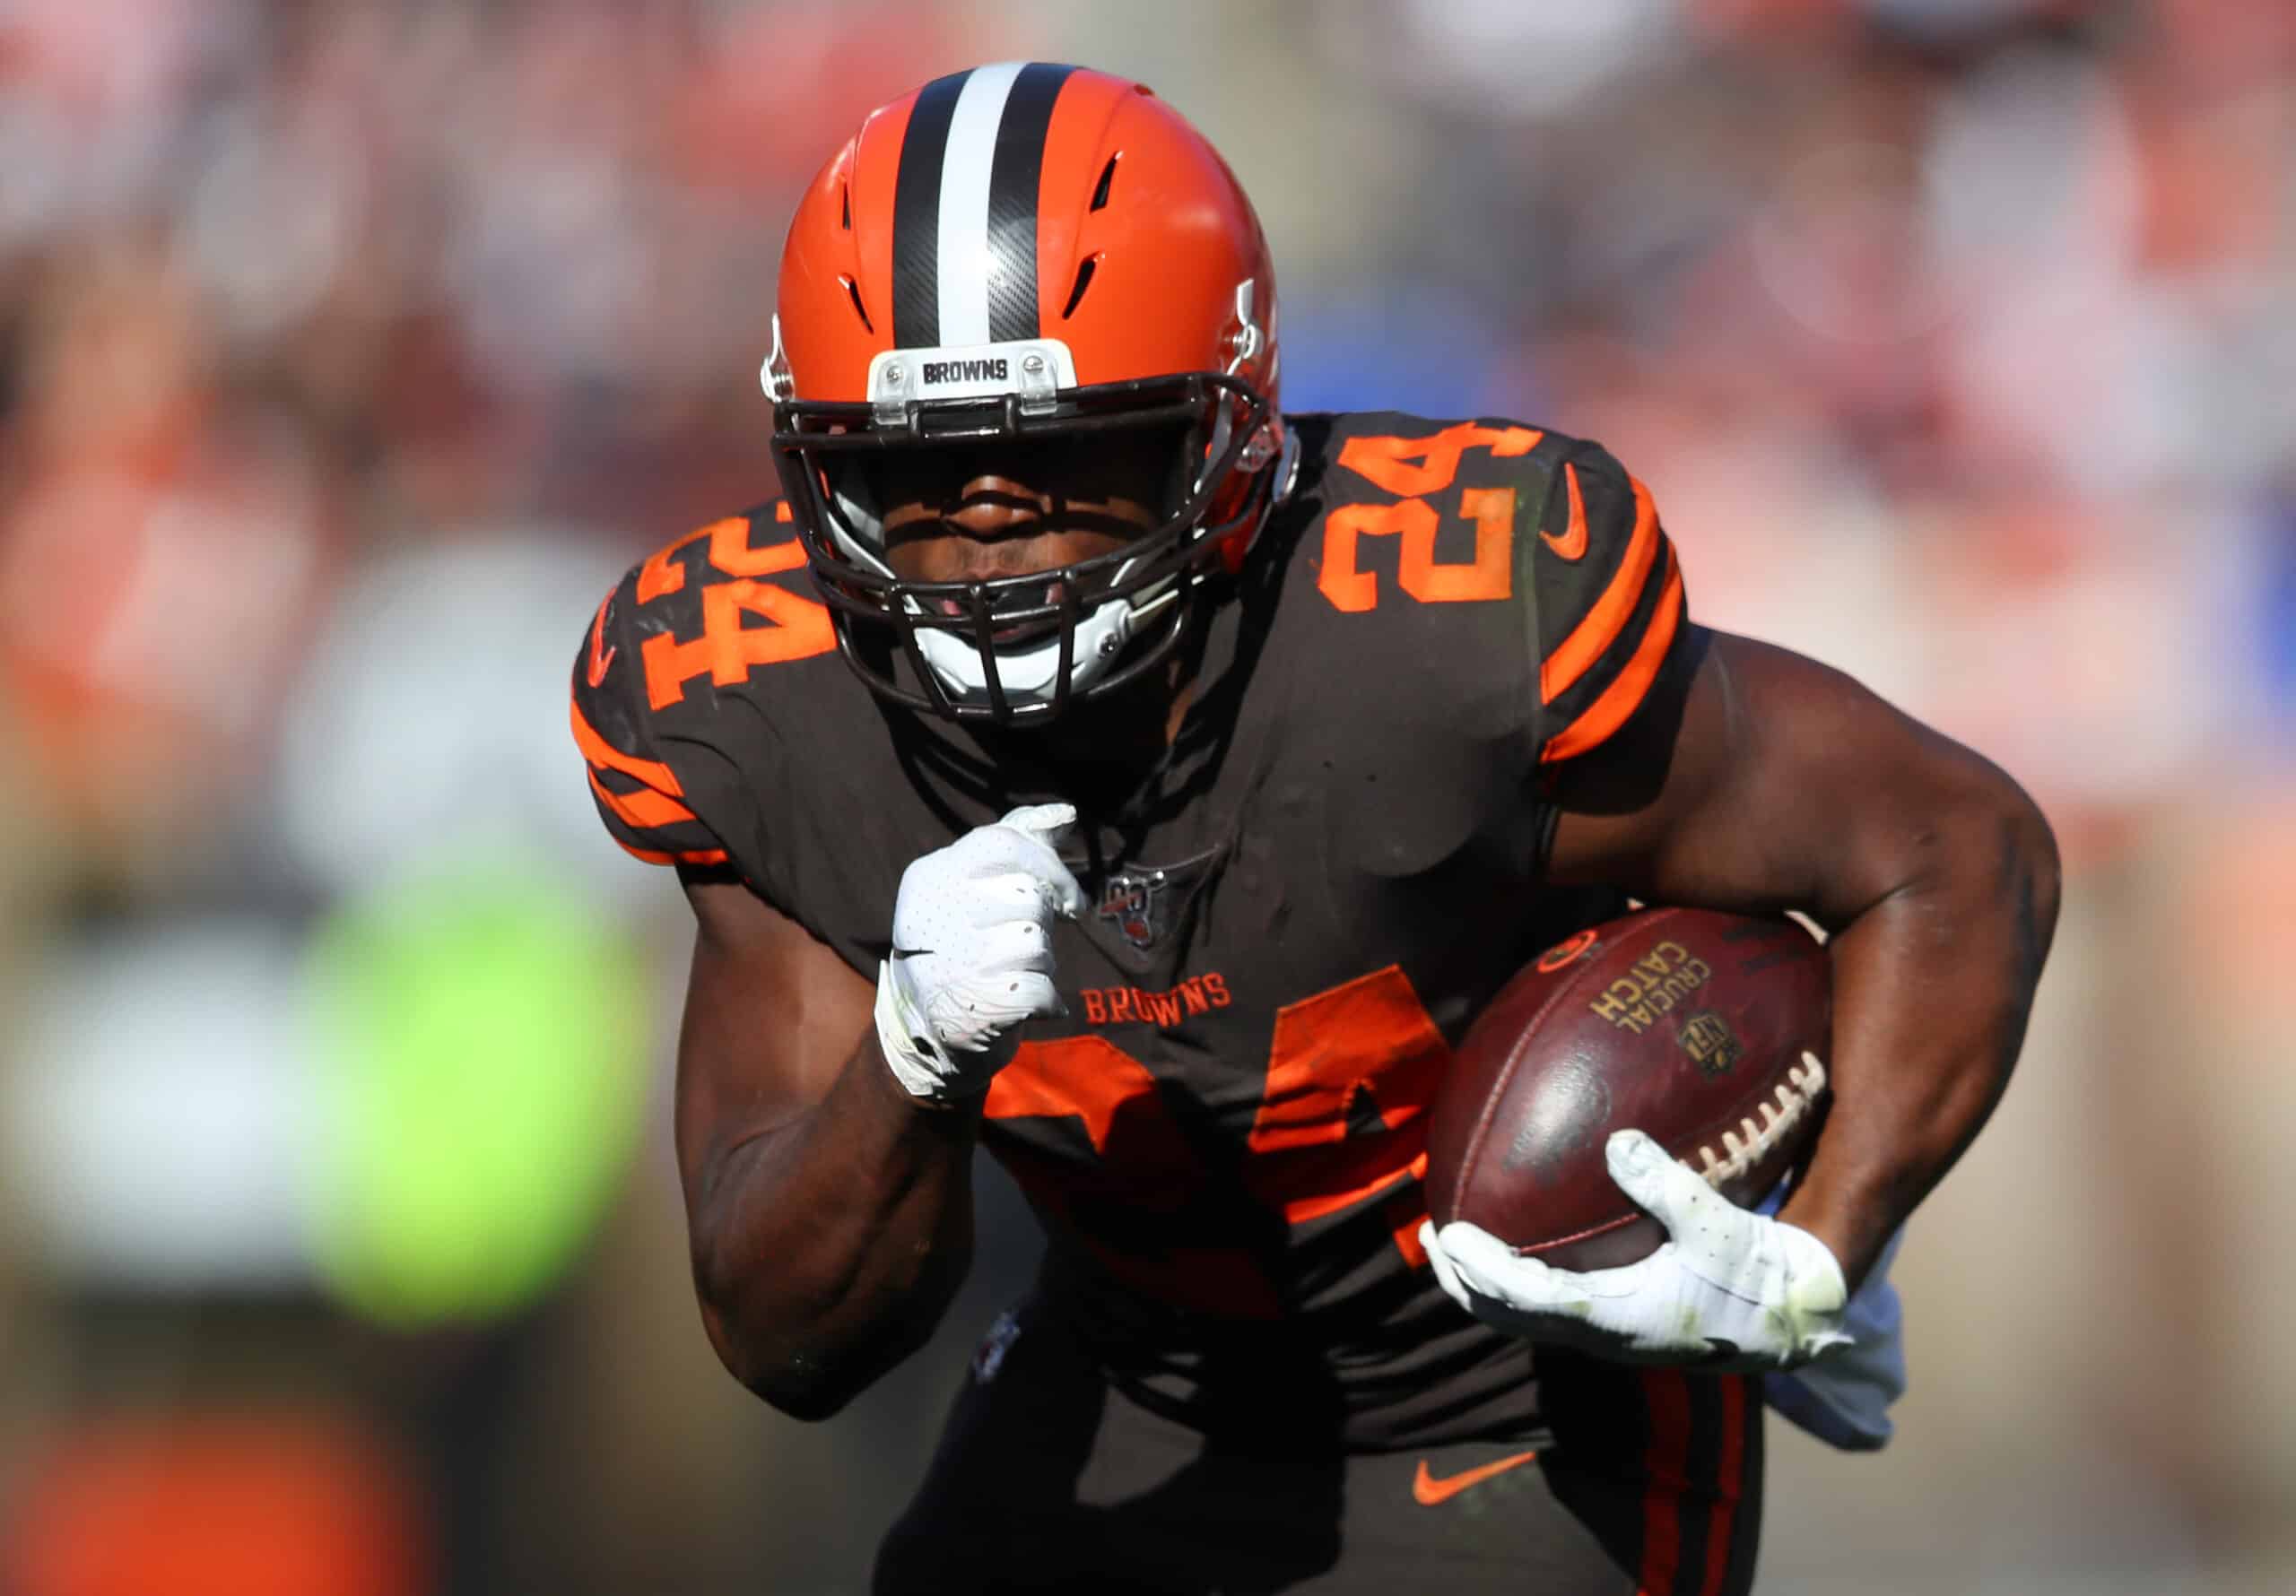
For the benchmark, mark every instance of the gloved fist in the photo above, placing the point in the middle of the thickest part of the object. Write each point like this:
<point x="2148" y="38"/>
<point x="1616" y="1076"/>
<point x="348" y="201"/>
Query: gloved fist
<point x="1729" y="1290"/>
<point x="972" y="952"/>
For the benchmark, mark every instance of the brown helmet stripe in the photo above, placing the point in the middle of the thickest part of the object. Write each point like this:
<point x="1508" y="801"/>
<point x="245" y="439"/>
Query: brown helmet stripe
<point x="916" y="214"/>
<point x="1013" y="182"/>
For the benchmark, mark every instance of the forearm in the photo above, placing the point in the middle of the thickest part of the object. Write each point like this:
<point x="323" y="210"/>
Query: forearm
<point x="826" y="1249"/>
<point x="1933" y="983"/>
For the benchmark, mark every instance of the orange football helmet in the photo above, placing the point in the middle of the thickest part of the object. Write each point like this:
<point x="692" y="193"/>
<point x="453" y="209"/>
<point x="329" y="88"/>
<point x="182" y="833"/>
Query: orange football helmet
<point x="1020" y="252"/>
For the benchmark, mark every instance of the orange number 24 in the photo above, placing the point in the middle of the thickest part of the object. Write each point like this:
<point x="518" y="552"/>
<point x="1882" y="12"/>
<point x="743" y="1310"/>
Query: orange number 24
<point x="729" y="647"/>
<point x="1351" y="1075"/>
<point x="1414" y="468"/>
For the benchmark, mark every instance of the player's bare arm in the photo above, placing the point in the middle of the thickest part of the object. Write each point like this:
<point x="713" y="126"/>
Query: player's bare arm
<point x="826" y="1177"/>
<point x="1764" y="781"/>
<point x="830" y="1213"/>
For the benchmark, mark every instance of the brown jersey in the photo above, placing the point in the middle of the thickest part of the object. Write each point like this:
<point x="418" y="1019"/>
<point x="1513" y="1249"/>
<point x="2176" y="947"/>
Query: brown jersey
<point x="1294" y="916"/>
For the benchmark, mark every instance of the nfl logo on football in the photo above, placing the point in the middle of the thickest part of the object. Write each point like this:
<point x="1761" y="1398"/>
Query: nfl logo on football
<point x="1707" y="1038"/>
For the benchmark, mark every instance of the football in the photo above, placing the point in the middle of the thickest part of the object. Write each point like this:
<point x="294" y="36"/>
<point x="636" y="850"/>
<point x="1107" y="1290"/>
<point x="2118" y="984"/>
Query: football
<point x="1684" y="1023"/>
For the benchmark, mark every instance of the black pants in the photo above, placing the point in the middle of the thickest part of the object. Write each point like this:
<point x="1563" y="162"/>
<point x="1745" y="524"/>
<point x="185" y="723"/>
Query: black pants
<point x="1047" y="1480"/>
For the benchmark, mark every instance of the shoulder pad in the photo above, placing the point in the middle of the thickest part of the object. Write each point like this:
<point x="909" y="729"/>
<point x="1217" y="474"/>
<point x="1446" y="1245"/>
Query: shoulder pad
<point x="640" y="797"/>
<point x="690" y="621"/>
<point x="1488" y="533"/>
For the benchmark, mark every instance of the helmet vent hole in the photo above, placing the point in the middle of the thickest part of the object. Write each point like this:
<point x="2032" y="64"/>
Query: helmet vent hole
<point x="1108" y="176"/>
<point x="853" y="292"/>
<point x="1083" y="281"/>
<point x="844" y="206"/>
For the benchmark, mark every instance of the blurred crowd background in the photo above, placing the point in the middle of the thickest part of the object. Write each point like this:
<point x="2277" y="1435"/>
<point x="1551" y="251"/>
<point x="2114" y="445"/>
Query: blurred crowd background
<point x="349" y="349"/>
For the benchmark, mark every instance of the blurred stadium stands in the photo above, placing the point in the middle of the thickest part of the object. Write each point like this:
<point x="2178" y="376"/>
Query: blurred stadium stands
<point x="348" y="349"/>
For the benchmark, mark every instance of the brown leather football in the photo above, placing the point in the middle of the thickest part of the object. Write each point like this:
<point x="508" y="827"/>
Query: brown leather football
<point x="1685" y="1023"/>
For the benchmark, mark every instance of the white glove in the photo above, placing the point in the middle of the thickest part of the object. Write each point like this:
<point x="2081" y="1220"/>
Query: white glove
<point x="1729" y="1290"/>
<point x="972" y="952"/>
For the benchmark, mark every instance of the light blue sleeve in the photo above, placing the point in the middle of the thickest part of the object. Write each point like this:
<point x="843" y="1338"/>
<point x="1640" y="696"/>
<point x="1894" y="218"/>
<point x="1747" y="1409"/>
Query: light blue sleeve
<point x="1843" y="1396"/>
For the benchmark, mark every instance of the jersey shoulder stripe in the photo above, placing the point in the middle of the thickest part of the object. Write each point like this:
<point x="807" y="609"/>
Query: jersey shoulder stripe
<point x="640" y="799"/>
<point x="1598" y="627"/>
<point x="1611" y="602"/>
<point x="647" y="816"/>
<point x="1631" y="685"/>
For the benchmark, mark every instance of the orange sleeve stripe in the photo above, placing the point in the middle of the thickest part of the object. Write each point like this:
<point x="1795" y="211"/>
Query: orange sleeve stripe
<point x="1602" y="625"/>
<point x="1608" y="713"/>
<point x="606" y="757"/>
<point x="699" y="856"/>
<point x="644" y="809"/>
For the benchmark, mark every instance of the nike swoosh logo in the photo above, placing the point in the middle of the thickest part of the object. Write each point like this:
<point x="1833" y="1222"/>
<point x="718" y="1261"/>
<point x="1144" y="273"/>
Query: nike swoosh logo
<point x="901" y="953"/>
<point x="1572" y="543"/>
<point x="1429" y="1491"/>
<point x="599" y="660"/>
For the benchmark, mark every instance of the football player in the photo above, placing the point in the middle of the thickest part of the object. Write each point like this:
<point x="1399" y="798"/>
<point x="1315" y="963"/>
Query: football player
<point x="1083" y="760"/>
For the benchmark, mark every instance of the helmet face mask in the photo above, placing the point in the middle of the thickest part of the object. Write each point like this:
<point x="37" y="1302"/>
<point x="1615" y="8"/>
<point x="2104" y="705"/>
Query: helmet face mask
<point x="1022" y="647"/>
<point x="1161" y="354"/>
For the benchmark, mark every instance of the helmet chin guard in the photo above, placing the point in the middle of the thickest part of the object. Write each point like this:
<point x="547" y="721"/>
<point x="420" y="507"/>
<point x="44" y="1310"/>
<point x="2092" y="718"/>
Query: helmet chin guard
<point x="1030" y="675"/>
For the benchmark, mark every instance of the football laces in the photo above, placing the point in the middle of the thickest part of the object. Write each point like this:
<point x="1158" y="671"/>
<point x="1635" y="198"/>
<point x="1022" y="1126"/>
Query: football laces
<point x="1796" y="1097"/>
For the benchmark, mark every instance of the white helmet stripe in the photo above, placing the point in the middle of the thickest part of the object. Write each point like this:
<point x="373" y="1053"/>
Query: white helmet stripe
<point x="967" y="165"/>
